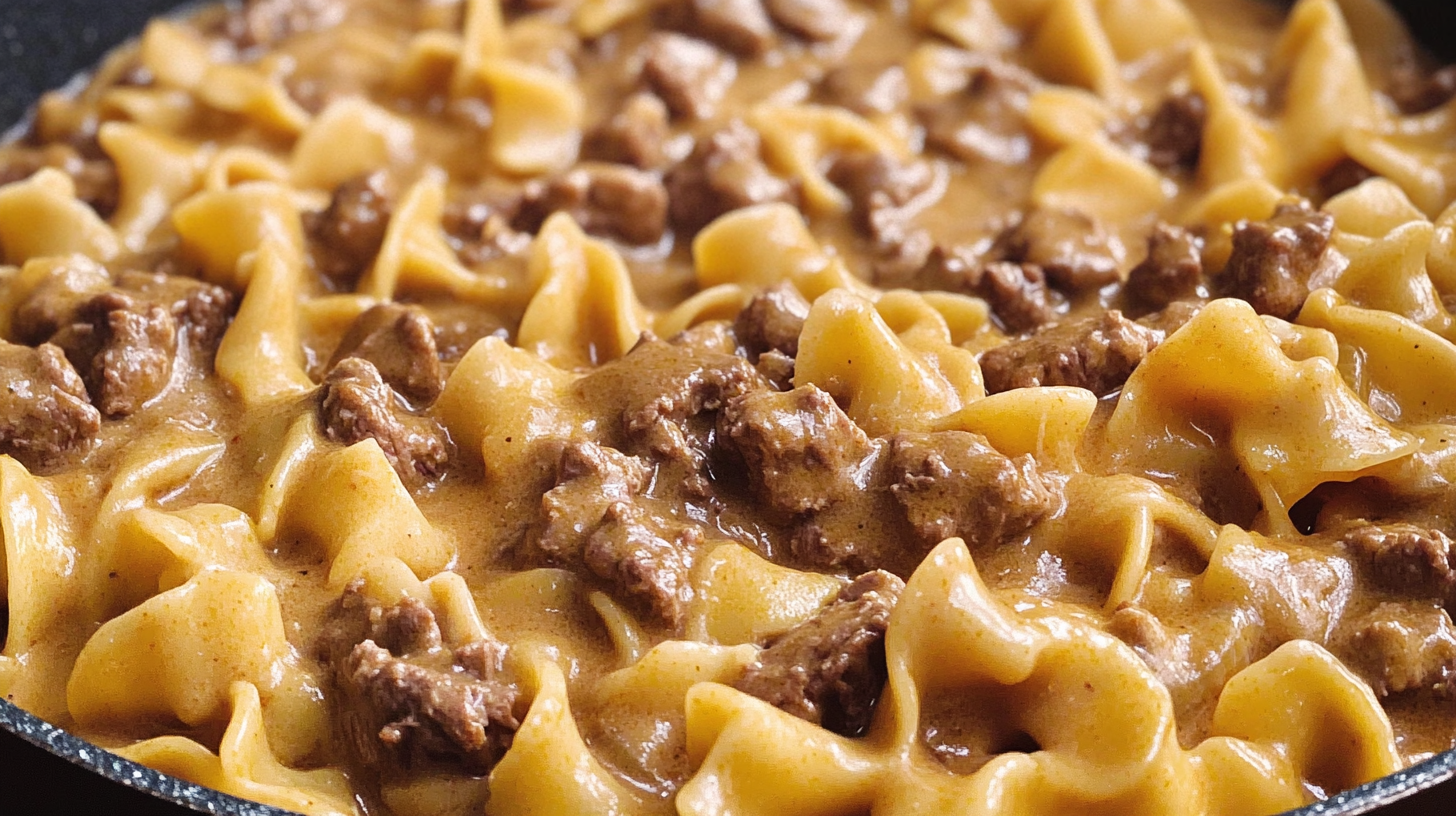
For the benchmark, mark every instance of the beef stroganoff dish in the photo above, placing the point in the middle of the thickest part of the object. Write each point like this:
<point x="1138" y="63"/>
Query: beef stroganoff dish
<point x="997" y="407"/>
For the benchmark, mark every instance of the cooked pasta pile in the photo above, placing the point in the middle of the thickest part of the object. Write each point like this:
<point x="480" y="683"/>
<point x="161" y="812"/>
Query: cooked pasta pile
<point x="739" y="406"/>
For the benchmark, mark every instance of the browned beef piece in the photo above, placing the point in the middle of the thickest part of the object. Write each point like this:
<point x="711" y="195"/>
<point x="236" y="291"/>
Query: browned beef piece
<point x="1096" y="353"/>
<point x="830" y="669"/>
<point x="1272" y="261"/>
<point x="772" y="321"/>
<point x="816" y="20"/>
<point x="1175" y="133"/>
<point x="739" y="26"/>
<point x="666" y="394"/>
<point x="987" y="121"/>
<point x="123" y="348"/>
<point x="260" y="23"/>
<point x="953" y="483"/>
<point x="406" y="702"/>
<point x="357" y="404"/>
<point x="44" y="413"/>
<point x="202" y="310"/>
<point x="1016" y="292"/>
<point x="589" y="479"/>
<point x="596" y="516"/>
<point x="1399" y="647"/>
<point x="478" y="226"/>
<point x="646" y="557"/>
<point x="636" y="135"/>
<point x="348" y="234"/>
<point x="400" y="341"/>
<point x="1345" y="175"/>
<point x="96" y="181"/>
<point x="723" y="173"/>
<point x="801" y="452"/>
<point x="866" y="89"/>
<point x="123" y="337"/>
<point x="884" y="194"/>
<point x="1173" y="269"/>
<point x="1072" y="248"/>
<point x="1408" y="559"/>
<point x="605" y="199"/>
<point x="778" y="368"/>
<point x="1416" y="91"/>
<point x="690" y="75"/>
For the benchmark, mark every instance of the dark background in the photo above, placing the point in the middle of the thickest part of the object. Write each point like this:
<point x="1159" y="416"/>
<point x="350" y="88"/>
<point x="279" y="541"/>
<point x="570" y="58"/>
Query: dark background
<point x="42" y="43"/>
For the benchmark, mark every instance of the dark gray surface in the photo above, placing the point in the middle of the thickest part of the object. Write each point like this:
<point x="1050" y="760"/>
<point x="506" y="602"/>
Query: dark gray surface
<point x="43" y="45"/>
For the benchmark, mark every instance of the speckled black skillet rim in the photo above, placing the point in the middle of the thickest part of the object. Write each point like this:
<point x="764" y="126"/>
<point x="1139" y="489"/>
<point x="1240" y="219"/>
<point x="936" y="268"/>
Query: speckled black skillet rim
<point x="1364" y="799"/>
<point x="67" y="746"/>
<point x="74" y="34"/>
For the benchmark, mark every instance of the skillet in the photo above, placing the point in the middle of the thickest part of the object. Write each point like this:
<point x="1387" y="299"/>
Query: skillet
<point x="46" y="43"/>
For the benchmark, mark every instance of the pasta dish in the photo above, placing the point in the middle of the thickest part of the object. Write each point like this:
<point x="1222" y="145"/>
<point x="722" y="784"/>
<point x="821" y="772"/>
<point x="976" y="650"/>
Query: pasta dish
<point x="739" y="407"/>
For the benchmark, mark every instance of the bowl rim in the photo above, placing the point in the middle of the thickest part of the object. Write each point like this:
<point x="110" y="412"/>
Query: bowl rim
<point x="62" y="743"/>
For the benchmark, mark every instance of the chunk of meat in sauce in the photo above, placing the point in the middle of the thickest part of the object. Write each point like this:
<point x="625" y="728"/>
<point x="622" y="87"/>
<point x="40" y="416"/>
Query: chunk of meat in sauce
<point x="830" y="669"/>
<point x="885" y="195"/>
<point x="1407" y="559"/>
<point x="647" y="558"/>
<point x="1071" y="247"/>
<point x="96" y="180"/>
<point x="202" y="310"/>
<point x="404" y="700"/>
<point x="478" y="226"/>
<point x="636" y="135"/>
<point x="1172" y="271"/>
<point x="1401" y="647"/>
<point x="346" y="236"/>
<point x="723" y="173"/>
<point x="877" y="183"/>
<point x="986" y="122"/>
<point x="953" y="483"/>
<point x="800" y="451"/>
<point x="597" y="516"/>
<point x="866" y="89"/>
<point x="124" y="337"/>
<point x="357" y="404"/>
<point x="740" y="26"/>
<point x="666" y="394"/>
<point x="1272" y="261"/>
<point x="772" y="321"/>
<point x="1016" y="292"/>
<point x="691" y="76"/>
<point x="1175" y="132"/>
<point x="44" y="411"/>
<point x="589" y="479"/>
<point x="123" y="348"/>
<point x="1096" y="353"/>
<point x="816" y="20"/>
<point x="606" y="199"/>
<point x="400" y="341"/>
